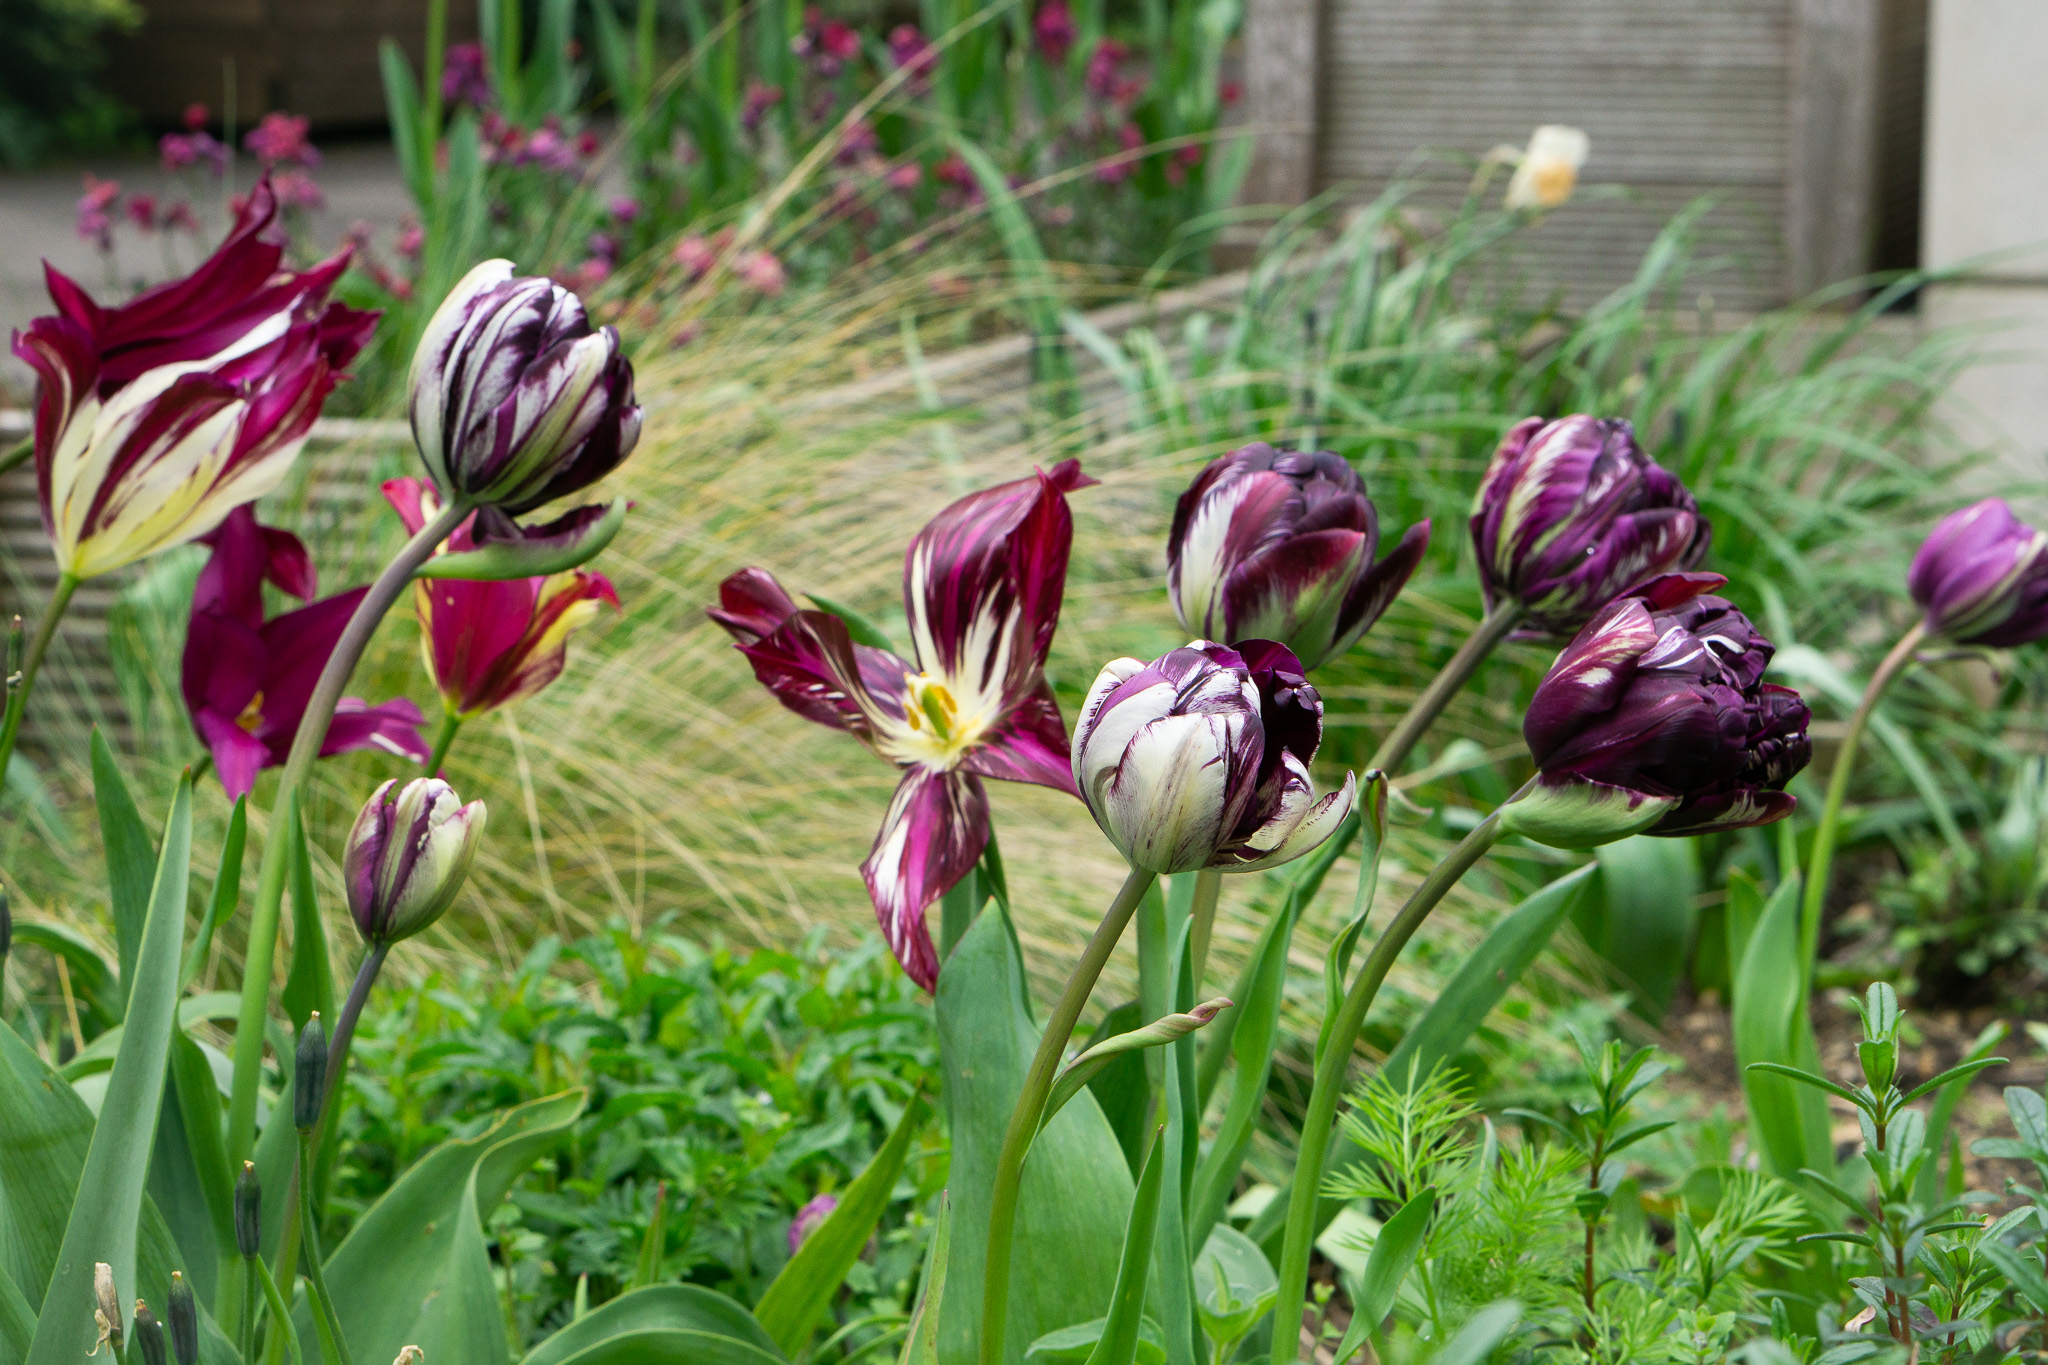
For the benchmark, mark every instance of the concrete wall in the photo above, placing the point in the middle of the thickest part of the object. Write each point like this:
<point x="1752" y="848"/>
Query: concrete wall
<point x="1987" y="205"/>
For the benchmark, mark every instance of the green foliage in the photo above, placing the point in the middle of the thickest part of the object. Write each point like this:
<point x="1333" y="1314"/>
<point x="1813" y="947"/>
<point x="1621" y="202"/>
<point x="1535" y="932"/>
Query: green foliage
<point x="50" y="96"/>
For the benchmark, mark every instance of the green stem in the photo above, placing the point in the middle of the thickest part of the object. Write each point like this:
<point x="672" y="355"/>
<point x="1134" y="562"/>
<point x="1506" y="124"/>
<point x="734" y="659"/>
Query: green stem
<point x="270" y="877"/>
<point x="1331" y="1064"/>
<point x="17" y="694"/>
<point x="1208" y="885"/>
<point x="1817" y="865"/>
<point x="18" y="455"/>
<point x="281" y="1329"/>
<point x="309" y="1235"/>
<point x="445" y="740"/>
<point x="1449" y="681"/>
<point x="245" y="1329"/>
<point x="1002" y="1218"/>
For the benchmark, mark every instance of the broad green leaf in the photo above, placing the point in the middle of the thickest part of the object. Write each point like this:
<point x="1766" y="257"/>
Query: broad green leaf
<point x="105" y="1218"/>
<point x="1745" y="908"/>
<point x="1118" y="1344"/>
<point x="415" y="1269"/>
<point x="309" y="985"/>
<point x="94" y="985"/>
<point x="662" y="1346"/>
<point x="1161" y="1031"/>
<point x="195" y="1097"/>
<point x="402" y="110"/>
<point x="1072" y="1345"/>
<point x="680" y="1308"/>
<point x="921" y="1342"/>
<point x="227" y="892"/>
<point x="1076" y="1192"/>
<point x="1234" y="1285"/>
<point x="131" y="860"/>
<point x="1393" y="1255"/>
<point x="799" y="1295"/>
<point x="1642" y="922"/>
<point x="1767" y="995"/>
<point x="1483" y="1331"/>
<point x="17" y="1319"/>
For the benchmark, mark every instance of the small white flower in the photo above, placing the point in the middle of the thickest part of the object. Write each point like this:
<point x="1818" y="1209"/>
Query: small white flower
<point x="1549" y="170"/>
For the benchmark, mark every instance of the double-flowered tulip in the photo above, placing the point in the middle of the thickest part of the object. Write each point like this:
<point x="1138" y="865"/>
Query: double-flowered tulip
<point x="1278" y="545"/>
<point x="407" y="856"/>
<point x="1571" y="514"/>
<point x="1981" y="577"/>
<point x="981" y="586"/>
<point x="157" y="418"/>
<point x="1656" y="719"/>
<point x="1200" y="758"/>
<point x="247" y="681"/>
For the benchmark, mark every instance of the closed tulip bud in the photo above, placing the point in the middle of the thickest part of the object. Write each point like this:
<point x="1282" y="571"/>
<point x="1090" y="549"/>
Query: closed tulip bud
<point x="1982" y="577"/>
<point x="248" y="1211"/>
<point x="1278" y="545"/>
<point x="407" y="857"/>
<point x="149" y="1335"/>
<point x="1200" y="759"/>
<point x="1656" y="720"/>
<point x="1571" y="514"/>
<point x="515" y="399"/>
<point x="309" y="1073"/>
<point x="106" y="1305"/>
<point x="184" y="1321"/>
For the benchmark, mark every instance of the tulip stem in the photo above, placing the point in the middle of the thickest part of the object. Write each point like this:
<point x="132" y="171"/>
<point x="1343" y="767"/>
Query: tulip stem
<point x="270" y="877"/>
<point x="1332" y="1062"/>
<point x="18" y="687"/>
<point x="1449" y="681"/>
<point x="345" y="1032"/>
<point x="1819" y="860"/>
<point x="1202" y="918"/>
<point x="309" y="1234"/>
<point x="1059" y="1029"/>
<point x="450" y="725"/>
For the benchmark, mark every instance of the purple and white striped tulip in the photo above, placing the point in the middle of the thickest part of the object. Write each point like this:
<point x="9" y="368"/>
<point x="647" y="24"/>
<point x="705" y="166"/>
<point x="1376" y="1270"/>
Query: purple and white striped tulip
<point x="1656" y="720"/>
<point x="1200" y="758"/>
<point x="156" y="419"/>
<point x="516" y="400"/>
<point x="1982" y="577"/>
<point x="407" y="857"/>
<point x="981" y="585"/>
<point x="1278" y="545"/>
<point x="1571" y="514"/>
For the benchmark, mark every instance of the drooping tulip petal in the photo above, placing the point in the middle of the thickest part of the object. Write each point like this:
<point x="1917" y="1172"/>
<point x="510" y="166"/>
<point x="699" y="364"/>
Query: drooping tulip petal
<point x="1278" y="545"/>
<point x="1571" y="514"/>
<point x="407" y="857"/>
<point x="933" y="834"/>
<point x="1981" y="577"/>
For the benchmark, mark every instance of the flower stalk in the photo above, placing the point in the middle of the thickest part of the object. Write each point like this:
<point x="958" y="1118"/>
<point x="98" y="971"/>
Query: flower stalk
<point x="309" y="1234"/>
<point x="1059" y="1029"/>
<point x="1400" y="741"/>
<point x="451" y="725"/>
<point x="18" y="690"/>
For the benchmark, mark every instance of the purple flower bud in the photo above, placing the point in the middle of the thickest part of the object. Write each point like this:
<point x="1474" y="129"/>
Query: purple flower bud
<point x="809" y="1217"/>
<point x="1656" y="720"/>
<point x="1982" y="577"/>
<point x="407" y="856"/>
<point x="1200" y="759"/>
<point x="516" y="400"/>
<point x="1572" y="514"/>
<point x="1278" y="545"/>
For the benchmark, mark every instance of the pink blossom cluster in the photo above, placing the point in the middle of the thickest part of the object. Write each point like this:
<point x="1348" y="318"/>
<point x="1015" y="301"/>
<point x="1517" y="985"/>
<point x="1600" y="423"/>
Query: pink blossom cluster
<point x="549" y="146"/>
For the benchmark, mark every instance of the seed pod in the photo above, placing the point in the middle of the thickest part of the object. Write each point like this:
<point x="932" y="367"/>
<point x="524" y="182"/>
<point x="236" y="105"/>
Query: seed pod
<point x="248" y="1211"/>
<point x="149" y="1335"/>
<point x="309" y="1074"/>
<point x="107" y="1305"/>
<point x="184" y="1322"/>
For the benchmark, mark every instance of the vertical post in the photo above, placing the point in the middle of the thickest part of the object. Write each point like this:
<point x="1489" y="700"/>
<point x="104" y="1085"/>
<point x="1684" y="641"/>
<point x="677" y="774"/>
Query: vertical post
<point x="1283" y="86"/>
<point x="1831" y="141"/>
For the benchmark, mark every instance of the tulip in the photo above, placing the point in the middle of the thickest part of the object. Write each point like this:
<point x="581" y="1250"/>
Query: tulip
<point x="407" y="856"/>
<point x="515" y="400"/>
<point x="1571" y="514"/>
<point x="1278" y="545"/>
<point x="809" y="1217"/>
<point x="157" y="418"/>
<point x="982" y="587"/>
<point x="1548" y="171"/>
<point x="489" y="644"/>
<point x="1656" y="720"/>
<point x="1981" y="577"/>
<point x="247" y="681"/>
<point x="1200" y="759"/>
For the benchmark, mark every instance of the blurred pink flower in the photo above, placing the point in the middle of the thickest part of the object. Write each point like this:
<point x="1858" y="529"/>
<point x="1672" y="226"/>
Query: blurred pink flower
<point x="905" y="178"/>
<point x="808" y="1217"/>
<point x="604" y="247"/>
<point x="907" y="47"/>
<point x="694" y="255"/>
<point x="624" y="208"/>
<point x="179" y="150"/>
<point x="760" y="99"/>
<point x="142" y="211"/>
<point x="411" y="239"/>
<point x="1056" y="30"/>
<point x="1230" y="92"/>
<point x="296" y="190"/>
<point x="179" y="216"/>
<point x="1124" y="166"/>
<point x="859" y="141"/>
<point x="1102" y="67"/>
<point x="279" y="139"/>
<point x="954" y="171"/>
<point x="464" y="77"/>
<point x="761" y="270"/>
<point x="96" y="210"/>
<point x="587" y="144"/>
<point x="195" y="116"/>
<point x="1183" y="160"/>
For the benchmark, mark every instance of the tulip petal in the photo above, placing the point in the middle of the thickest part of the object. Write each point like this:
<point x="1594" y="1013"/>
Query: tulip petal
<point x="752" y="604"/>
<point x="1182" y="782"/>
<point x="1029" y="746"/>
<point x="1737" y="808"/>
<point x="1375" y="592"/>
<point x="237" y="755"/>
<point x="392" y="726"/>
<point x="549" y="609"/>
<point x="1295" y="589"/>
<point x="815" y="669"/>
<point x="1574" y="812"/>
<point x="936" y="829"/>
<point x="1298" y="828"/>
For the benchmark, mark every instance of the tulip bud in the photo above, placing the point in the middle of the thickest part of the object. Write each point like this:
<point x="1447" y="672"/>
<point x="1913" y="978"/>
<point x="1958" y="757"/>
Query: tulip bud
<point x="1200" y="759"/>
<point x="184" y="1322"/>
<point x="1278" y="545"/>
<point x="516" y="401"/>
<point x="106" y="1310"/>
<point x="1571" y="514"/>
<point x="149" y="1335"/>
<point x="407" y="856"/>
<point x="1656" y="720"/>
<point x="1982" y="577"/>
<point x="309" y="1074"/>
<point x="248" y="1212"/>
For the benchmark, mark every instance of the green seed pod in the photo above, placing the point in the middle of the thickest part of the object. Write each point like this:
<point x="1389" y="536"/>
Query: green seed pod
<point x="248" y="1211"/>
<point x="309" y="1074"/>
<point x="149" y="1336"/>
<point x="184" y="1322"/>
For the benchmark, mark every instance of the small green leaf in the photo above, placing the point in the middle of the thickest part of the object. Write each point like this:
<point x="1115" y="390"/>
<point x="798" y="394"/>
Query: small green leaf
<point x="1161" y="1031"/>
<point x="921" y="1342"/>
<point x="2019" y="1271"/>
<point x="227" y="892"/>
<point x="131" y="860"/>
<point x="1483" y="1331"/>
<point x="859" y="625"/>
<point x="1393" y="1256"/>
<point x="309" y="985"/>
<point x="1235" y="1285"/>
<point x="717" y="1325"/>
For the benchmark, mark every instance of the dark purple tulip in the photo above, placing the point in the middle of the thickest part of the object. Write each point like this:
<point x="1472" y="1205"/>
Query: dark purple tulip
<point x="1656" y="720"/>
<point x="516" y="400"/>
<point x="1982" y="577"/>
<point x="1572" y="514"/>
<point x="1278" y="545"/>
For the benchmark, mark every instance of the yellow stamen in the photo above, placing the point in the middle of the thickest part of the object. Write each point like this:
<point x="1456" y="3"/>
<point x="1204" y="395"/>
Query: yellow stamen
<point x="251" y="718"/>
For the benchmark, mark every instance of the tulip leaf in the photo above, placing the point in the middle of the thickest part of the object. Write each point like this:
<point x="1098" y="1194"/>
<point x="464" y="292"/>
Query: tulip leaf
<point x="194" y="1104"/>
<point x="1170" y="1028"/>
<point x="1372" y="828"/>
<point x="17" y="1319"/>
<point x="682" y="1309"/>
<point x="227" y="894"/>
<point x="1118" y="1344"/>
<point x="1643" y="921"/>
<point x="131" y="859"/>
<point x="500" y="560"/>
<point x="309" y="985"/>
<point x="1392" y="1257"/>
<point x="93" y="984"/>
<point x="415" y="1269"/>
<point x="858" y="625"/>
<point x="799" y="1295"/>
<point x="1767" y="998"/>
<point x="1076" y="1191"/>
<point x="106" y="1216"/>
<point x="921" y="1342"/>
<point x="402" y="109"/>
<point x="666" y="1346"/>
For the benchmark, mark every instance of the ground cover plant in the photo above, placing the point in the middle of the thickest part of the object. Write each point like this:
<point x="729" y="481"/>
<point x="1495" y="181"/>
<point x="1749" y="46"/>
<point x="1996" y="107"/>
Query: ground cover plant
<point x="1354" y="516"/>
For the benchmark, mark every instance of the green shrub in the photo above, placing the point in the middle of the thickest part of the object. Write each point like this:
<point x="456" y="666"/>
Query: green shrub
<point x="50" y="96"/>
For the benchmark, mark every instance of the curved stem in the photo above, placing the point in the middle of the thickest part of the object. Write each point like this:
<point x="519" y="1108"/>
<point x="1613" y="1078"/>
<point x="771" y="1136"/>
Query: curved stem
<point x="1331" y="1065"/>
<point x="270" y="878"/>
<point x="1002" y="1214"/>
<point x="1202" y="916"/>
<point x="450" y="724"/>
<point x="1449" y="681"/>
<point x="1819" y="860"/>
<point x="17" y="692"/>
<point x="17" y="455"/>
<point x="345" y="1033"/>
<point x="309" y="1233"/>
